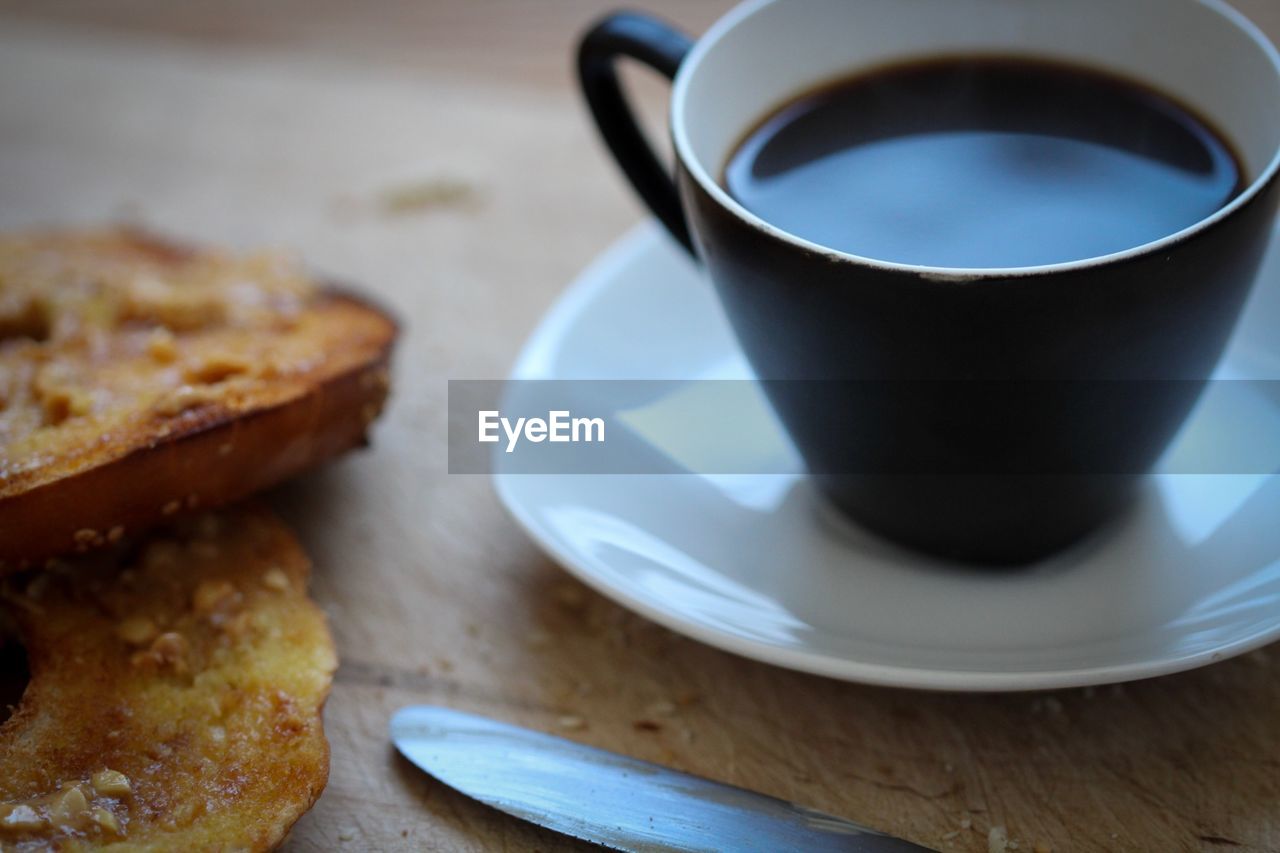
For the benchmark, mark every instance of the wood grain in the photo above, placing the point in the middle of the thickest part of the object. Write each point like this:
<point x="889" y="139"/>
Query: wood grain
<point x="289" y="123"/>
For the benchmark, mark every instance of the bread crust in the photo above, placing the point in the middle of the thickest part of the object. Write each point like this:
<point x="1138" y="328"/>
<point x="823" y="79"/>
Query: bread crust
<point x="225" y="447"/>
<point x="176" y="693"/>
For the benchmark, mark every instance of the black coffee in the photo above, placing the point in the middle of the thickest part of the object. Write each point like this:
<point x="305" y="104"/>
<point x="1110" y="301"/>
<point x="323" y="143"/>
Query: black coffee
<point x="983" y="163"/>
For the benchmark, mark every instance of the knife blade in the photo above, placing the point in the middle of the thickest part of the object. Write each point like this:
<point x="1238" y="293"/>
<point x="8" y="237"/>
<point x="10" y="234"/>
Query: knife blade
<point x="612" y="800"/>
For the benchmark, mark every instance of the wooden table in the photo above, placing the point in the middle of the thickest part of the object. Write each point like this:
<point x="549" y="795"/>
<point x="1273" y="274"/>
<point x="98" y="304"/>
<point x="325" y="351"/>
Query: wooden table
<point x="436" y="153"/>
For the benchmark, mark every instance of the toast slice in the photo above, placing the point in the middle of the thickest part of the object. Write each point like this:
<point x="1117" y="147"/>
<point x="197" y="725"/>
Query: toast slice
<point x="176" y="693"/>
<point x="140" y="379"/>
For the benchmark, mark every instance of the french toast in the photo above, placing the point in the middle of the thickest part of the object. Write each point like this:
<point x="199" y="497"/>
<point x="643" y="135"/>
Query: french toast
<point x="140" y="379"/>
<point x="176" y="693"/>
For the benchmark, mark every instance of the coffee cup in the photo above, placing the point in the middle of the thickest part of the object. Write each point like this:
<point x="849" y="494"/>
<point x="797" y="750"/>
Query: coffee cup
<point x="986" y="414"/>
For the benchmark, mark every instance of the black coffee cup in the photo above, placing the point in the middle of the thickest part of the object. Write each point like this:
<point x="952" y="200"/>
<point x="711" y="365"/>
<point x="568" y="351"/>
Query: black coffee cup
<point x="992" y="415"/>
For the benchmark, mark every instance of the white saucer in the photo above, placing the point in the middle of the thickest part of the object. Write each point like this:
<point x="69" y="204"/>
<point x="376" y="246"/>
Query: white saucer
<point x="755" y="565"/>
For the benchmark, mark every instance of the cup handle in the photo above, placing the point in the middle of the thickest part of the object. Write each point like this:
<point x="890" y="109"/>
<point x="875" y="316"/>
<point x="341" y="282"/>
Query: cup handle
<point x="662" y="48"/>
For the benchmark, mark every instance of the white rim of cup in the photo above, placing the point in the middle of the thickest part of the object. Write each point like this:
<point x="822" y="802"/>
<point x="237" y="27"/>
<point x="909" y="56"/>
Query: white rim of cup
<point x="699" y="172"/>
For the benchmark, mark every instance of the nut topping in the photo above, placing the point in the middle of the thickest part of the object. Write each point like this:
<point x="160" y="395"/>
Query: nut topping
<point x="217" y="368"/>
<point x="161" y="346"/>
<point x="217" y="601"/>
<point x="111" y="783"/>
<point x="167" y="651"/>
<point x="106" y="820"/>
<point x="137" y="631"/>
<point x="276" y="579"/>
<point x="69" y="806"/>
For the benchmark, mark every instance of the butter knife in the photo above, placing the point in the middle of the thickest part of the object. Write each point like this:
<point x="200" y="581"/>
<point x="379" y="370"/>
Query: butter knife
<point x="612" y="800"/>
